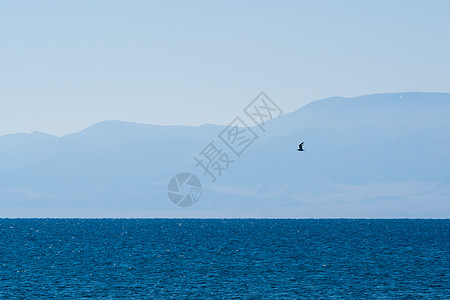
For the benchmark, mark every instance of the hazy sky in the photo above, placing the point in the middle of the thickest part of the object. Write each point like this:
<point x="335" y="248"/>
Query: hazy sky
<point x="65" y="65"/>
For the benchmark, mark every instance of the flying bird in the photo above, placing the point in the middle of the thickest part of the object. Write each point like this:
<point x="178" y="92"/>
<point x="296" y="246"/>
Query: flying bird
<point x="300" y="147"/>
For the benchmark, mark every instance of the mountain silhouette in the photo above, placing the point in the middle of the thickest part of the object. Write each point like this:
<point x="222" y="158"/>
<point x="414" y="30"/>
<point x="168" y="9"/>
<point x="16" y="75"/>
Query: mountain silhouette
<point x="363" y="160"/>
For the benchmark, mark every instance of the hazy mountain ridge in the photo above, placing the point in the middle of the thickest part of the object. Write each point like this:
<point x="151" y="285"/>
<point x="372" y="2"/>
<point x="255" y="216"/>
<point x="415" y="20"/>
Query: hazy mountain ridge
<point x="375" y="155"/>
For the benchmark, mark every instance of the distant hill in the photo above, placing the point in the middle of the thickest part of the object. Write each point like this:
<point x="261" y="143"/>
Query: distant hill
<point x="382" y="155"/>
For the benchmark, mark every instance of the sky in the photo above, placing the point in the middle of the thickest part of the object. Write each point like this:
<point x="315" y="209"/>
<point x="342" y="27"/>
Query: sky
<point x="65" y="65"/>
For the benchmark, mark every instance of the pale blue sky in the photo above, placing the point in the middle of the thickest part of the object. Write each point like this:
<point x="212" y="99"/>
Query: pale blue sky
<point x="65" y="65"/>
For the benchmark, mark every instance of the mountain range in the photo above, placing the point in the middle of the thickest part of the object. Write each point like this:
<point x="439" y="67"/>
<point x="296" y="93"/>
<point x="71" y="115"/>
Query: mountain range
<point x="374" y="156"/>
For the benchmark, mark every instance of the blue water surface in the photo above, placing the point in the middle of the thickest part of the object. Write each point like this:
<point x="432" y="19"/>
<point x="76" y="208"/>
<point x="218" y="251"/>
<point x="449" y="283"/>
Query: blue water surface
<point x="211" y="258"/>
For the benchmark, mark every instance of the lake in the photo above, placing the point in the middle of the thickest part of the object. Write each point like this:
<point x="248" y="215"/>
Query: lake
<point x="215" y="258"/>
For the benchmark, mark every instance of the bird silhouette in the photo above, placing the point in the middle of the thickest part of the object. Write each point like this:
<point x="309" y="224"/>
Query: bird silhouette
<point x="300" y="147"/>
